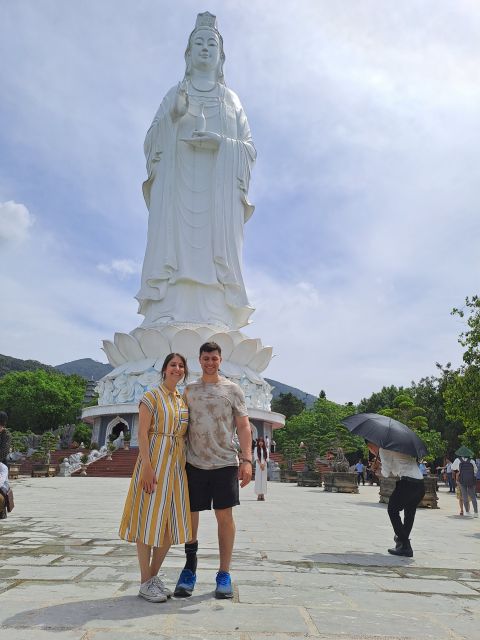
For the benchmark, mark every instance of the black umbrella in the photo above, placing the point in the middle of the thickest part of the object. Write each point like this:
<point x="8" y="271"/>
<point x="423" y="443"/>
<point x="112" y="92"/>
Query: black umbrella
<point x="386" y="432"/>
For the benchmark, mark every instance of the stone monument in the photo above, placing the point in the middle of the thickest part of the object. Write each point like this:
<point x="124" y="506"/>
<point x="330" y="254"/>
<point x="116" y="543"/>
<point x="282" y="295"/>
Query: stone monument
<point x="199" y="153"/>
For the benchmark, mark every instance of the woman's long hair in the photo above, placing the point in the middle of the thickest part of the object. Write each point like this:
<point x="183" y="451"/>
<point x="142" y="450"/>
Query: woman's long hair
<point x="261" y="446"/>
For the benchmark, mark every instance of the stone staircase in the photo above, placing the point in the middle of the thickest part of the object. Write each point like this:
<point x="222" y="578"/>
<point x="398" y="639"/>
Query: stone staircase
<point x="120" y="466"/>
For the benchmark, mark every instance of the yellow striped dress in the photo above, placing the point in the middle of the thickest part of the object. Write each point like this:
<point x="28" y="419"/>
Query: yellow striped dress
<point x="147" y="516"/>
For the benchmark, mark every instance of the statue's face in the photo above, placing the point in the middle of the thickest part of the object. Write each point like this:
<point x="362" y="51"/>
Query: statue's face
<point x="205" y="50"/>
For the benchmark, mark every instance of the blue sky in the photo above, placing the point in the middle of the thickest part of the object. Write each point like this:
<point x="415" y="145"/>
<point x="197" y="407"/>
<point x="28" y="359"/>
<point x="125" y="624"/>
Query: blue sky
<point x="365" y="116"/>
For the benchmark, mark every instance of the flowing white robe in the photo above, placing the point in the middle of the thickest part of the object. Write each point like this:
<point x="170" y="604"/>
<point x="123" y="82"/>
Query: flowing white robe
<point x="260" y="475"/>
<point x="198" y="204"/>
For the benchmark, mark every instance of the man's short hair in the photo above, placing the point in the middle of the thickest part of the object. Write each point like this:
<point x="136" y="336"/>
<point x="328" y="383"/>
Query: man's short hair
<point x="208" y="347"/>
<point x="3" y="419"/>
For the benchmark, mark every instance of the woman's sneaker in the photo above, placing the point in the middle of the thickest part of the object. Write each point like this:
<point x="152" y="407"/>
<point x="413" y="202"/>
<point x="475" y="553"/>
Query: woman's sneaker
<point x="162" y="586"/>
<point x="224" y="585"/>
<point x="185" y="584"/>
<point x="151" y="592"/>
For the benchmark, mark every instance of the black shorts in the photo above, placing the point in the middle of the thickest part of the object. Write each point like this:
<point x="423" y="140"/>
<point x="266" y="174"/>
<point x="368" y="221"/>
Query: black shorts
<point x="217" y="486"/>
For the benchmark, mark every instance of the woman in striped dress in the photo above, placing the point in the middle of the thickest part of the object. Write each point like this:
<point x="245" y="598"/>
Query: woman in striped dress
<point x="157" y="509"/>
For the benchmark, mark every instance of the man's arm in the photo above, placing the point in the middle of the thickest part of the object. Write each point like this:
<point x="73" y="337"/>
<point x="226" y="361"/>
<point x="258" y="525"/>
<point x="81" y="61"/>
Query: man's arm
<point x="244" y="433"/>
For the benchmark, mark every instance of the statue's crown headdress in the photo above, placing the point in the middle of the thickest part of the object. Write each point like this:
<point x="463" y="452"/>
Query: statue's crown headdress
<point x="206" y="19"/>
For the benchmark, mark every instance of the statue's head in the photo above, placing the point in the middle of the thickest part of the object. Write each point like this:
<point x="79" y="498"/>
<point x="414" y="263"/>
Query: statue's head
<point x="205" y="37"/>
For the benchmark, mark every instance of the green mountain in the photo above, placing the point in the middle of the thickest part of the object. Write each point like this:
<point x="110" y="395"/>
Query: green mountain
<point x="93" y="370"/>
<point x="9" y="364"/>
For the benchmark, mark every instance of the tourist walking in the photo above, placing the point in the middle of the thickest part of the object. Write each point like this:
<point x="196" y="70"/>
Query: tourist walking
<point x="261" y="458"/>
<point x="466" y="471"/>
<point x="157" y="509"/>
<point x="360" y="470"/>
<point x="217" y="410"/>
<point x="450" y="475"/>
<point x="407" y="495"/>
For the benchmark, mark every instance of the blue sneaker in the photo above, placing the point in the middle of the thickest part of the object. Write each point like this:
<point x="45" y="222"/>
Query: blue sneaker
<point x="224" y="585"/>
<point x="185" y="584"/>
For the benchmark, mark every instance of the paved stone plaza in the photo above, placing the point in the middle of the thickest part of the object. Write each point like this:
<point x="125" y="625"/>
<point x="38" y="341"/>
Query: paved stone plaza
<point x="307" y="564"/>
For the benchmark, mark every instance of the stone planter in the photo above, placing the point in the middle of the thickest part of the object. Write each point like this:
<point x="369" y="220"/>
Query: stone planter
<point x="288" y="475"/>
<point x="340" y="482"/>
<point x="126" y="446"/>
<point x="52" y="470"/>
<point x="83" y="472"/>
<point x="309" y="479"/>
<point x="39" y="470"/>
<point x="13" y="471"/>
<point x="430" y="499"/>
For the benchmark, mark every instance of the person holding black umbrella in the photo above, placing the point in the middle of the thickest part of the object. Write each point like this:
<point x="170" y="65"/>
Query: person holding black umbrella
<point x="406" y="496"/>
<point x="398" y="449"/>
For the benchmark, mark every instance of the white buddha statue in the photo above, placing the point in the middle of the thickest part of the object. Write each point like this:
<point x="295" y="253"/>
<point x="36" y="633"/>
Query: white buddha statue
<point x="199" y="154"/>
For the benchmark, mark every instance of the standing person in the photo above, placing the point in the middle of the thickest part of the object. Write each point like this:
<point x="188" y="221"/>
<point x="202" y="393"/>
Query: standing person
<point x="157" y="510"/>
<point x="360" y="469"/>
<point x="406" y="496"/>
<point x="217" y="409"/>
<point x="4" y="487"/>
<point x="466" y="471"/>
<point x="261" y="458"/>
<point x="449" y="474"/>
<point x="4" y="438"/>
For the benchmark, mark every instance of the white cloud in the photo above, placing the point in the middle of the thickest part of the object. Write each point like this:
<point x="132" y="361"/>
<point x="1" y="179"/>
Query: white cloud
<point x="15" y="221"/>
<point x="121" y="268"/>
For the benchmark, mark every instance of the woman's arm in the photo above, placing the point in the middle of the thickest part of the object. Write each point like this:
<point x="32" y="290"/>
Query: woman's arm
<point x="148" y="478"/>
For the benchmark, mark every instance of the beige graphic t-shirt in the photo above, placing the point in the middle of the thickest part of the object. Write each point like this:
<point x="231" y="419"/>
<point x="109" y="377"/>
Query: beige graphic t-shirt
<point x="213" y="408"/>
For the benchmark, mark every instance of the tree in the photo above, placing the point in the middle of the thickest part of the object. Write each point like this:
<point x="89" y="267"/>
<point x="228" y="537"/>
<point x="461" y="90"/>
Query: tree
<point x="404" y="410"/>
<point x="462" y="392"/>
<point x="288" y="404"/>
<point x="321" y="425"/>
<point x="429" y="393"/>
<point x="41" y="400"/>
<point x="380" y="400"/>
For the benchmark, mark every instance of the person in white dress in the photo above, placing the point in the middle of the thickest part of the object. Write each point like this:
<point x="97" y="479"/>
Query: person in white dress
<point x="261" y="457"/>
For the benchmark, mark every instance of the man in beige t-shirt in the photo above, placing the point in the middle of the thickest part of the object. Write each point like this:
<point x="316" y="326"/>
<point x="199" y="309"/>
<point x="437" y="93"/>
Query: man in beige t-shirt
<point x="217" y="411"/>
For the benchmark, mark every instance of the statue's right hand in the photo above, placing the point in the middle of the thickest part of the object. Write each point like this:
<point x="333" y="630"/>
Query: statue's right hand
<point x="180" y="106"/>
<point x="148" y="479"/>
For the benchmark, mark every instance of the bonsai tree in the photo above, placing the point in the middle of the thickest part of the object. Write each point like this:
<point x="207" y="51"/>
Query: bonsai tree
<point x="311" y="451"/>
<point x="84" y="458"/>
<point x="48" y="443"/>
<point x="290" y="453"/>
<point x="127" y="436"/>
<point x="18" y="442"/>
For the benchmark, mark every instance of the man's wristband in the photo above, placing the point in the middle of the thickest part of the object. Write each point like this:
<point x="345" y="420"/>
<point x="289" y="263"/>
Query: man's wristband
<point x="242" y="460"/>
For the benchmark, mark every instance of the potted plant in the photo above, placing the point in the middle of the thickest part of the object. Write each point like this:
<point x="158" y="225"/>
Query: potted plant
<point x="19" y="446"/>
<point x="39" y="466"/>
<point x="48" y="444"/>
<point x="290" y="454"/>
<point x="111" y="449"/>
<point x="310" y="477"/>
<point x="126" y="440"/>
<point x="84" y="461"/>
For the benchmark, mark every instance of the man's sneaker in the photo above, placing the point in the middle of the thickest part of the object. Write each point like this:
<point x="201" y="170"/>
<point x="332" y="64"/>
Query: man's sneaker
<point x="475" y="515"/>
<point x="224" y="585"/>
<point x="150" y="591"/>
<point x="185" y="584"/>
<point x="161" y="585"/>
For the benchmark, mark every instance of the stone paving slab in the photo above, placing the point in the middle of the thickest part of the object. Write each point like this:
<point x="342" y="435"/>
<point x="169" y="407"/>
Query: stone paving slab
<point x="307" y="564"/>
